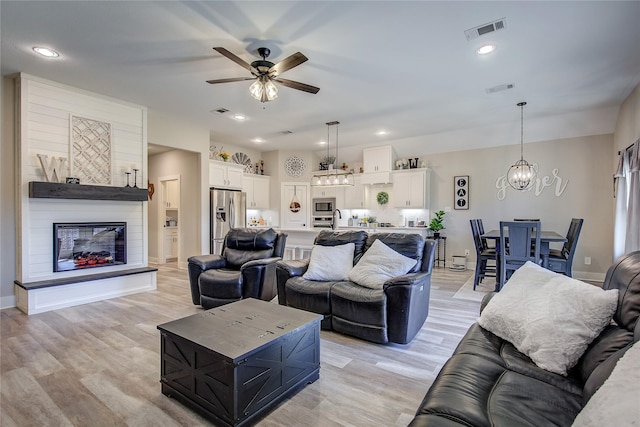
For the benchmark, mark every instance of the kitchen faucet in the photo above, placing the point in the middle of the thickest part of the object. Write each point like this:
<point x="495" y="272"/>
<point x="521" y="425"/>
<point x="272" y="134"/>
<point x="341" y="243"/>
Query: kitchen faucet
<point x="334" y="223"/>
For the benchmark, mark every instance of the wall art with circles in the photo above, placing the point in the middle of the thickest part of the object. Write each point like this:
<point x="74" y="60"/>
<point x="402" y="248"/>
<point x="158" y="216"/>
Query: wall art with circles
<point x="461" y="192"/>
<point x="295" y="166"/>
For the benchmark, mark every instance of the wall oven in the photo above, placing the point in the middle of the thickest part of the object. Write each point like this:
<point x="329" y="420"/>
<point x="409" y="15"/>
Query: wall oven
<point x="322" y="222"/>
<point x="324" y="207"/>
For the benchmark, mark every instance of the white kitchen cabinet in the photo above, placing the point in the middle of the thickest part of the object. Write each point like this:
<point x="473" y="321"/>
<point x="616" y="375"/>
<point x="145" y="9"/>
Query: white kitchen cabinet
<point x="171" y="240"/>
<point x="225" y="175"/>
<point x="411" y="189"/>
<point x="257" y="188"/>
<point x="354" y="197"/>
<point x="330" y="192"/>
<point x="377" y="164"/>
<point x="324" y="191"/>
<point x="172" y="194"/>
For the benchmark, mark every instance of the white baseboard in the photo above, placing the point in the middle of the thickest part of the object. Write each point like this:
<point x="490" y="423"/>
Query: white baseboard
<point x="7" y="302"/>
<point x="588" y="275"/>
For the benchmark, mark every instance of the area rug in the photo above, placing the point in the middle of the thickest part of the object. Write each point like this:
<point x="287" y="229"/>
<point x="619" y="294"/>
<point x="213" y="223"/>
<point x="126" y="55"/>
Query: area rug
<point x="466" y="291"/>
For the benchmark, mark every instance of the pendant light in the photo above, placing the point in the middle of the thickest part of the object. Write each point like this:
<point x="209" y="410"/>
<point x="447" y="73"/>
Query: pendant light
<point x="294" y="205"/>
<point x="522" y="174"/>
<point x="333" y="177"/>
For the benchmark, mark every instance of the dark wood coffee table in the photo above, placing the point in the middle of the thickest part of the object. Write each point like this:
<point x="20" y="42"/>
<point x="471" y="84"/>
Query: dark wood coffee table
<point x="236" y="362"/>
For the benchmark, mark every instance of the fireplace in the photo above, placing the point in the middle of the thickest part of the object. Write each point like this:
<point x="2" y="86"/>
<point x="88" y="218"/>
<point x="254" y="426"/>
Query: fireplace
<point x="88" y="245"/>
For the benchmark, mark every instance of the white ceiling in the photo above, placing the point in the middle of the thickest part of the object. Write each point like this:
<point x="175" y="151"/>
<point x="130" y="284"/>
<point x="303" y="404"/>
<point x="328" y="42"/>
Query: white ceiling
<point x="405" y="67"/>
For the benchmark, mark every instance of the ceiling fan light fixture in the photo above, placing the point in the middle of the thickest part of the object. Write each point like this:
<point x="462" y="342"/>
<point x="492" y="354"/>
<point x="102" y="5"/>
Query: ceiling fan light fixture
<point x="263" y="89"/>
<point x="271" y="90"/>
<point x="265" y="72"/>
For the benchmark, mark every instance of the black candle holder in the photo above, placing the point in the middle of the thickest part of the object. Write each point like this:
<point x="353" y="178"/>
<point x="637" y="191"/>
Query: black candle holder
<point x="127" y="174"/>
<point x="135" y="178"/>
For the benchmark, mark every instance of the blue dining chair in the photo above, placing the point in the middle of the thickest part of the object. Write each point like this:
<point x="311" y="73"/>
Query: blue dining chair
<point x="561" y="260"/>
<point x="484" y="255"/>
<point x="485" y="244"/>
<point x="519" y="243"/>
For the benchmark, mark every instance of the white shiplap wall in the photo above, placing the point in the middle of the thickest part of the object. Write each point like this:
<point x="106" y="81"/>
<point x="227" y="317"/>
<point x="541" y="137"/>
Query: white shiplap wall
<point x="44" y="115"/>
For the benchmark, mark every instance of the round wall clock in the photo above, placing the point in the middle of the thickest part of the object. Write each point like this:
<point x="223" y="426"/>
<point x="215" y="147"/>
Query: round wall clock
<point x="294" y="166"/>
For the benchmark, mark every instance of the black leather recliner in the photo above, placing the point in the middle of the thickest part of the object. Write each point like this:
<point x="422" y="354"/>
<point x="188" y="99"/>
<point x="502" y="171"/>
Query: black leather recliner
<point x="246" y="268"/>
<point x="488" y="382"/>
<point x="392" y="314"/>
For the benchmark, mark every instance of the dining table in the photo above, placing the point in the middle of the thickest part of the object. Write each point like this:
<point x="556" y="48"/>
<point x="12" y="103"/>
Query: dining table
<point x="546" y="237"/>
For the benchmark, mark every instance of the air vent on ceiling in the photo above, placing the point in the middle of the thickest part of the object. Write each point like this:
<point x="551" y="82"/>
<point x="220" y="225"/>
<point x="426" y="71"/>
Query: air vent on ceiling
<point x="490" y="27"/>
<point x="500" y="88"/>
<point x="220" y="110"/>
<point x="286" y="132"/>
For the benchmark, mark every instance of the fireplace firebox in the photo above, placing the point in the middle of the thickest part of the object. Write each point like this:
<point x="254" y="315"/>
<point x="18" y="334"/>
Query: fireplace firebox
<point x="88" y="245"/>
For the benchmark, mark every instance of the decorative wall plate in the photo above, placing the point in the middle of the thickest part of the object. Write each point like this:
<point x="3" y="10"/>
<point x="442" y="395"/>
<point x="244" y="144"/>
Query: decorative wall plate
<point x="243" y="159"/>
<point x="294" y="166"/>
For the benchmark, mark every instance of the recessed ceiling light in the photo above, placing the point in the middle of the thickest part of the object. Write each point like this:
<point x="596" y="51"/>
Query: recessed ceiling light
<point x="239" y="117"/>
<point x="382" y="133"/>
<point x="488" y="48"/>
<point x="258" y="140"/>
<point x="46" y="52"/>
<point x="322" y="142"/>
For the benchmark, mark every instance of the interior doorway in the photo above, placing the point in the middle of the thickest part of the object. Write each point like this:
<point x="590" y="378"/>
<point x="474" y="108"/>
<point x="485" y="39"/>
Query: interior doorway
<point x="295" y="205"/>
<point x="169" y="219"/>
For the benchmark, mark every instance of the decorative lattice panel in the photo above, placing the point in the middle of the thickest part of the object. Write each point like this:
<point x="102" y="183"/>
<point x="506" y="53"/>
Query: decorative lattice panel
<point x="91" y="150"/>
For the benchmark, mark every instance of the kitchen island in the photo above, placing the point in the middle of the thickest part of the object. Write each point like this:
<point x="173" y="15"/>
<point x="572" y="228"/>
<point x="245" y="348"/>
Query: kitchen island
<point x="300" y="240"/>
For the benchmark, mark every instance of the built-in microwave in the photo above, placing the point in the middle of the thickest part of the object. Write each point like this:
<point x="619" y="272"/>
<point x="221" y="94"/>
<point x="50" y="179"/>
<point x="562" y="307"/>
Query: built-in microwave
<point x="324" y="206"/>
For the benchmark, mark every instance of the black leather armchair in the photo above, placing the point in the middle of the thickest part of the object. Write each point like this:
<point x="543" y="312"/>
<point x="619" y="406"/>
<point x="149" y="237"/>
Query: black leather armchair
<point x="392" y="314"/>
<point x="246" y="268"/>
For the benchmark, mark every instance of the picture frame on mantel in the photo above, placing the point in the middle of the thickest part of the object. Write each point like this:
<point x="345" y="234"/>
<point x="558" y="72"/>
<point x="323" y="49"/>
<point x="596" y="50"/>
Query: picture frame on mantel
<point x="461" y="192"/>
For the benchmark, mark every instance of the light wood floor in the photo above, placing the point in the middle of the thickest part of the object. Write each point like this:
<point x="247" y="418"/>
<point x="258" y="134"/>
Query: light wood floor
<point x="98" y="364"/>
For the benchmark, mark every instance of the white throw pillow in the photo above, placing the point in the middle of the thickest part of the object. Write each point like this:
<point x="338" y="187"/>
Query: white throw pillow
<point x="379" y="264"/>
<point x="330" y="262"/>
<point x="549" y="317"/>
<point x="616" y="401"/>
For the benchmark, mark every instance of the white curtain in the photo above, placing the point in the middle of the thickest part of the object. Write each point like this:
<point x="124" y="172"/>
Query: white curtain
<point x="633" y="208"/>
<point x="627" y="216"/>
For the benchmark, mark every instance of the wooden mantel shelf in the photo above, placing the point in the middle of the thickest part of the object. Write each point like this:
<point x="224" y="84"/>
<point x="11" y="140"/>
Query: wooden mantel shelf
<point x="56" y="190"/>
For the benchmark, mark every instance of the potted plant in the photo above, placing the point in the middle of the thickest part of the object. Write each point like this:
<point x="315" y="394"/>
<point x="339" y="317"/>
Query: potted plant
<point x="436" y="223"/>
<point x="327" y="162"/>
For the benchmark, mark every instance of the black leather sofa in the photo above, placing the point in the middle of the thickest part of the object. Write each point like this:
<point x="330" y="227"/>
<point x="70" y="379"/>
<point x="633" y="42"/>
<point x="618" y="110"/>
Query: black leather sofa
<point x="246" y="268"/>
<point x="487" y="382"/>
<point x="392" y="314"/>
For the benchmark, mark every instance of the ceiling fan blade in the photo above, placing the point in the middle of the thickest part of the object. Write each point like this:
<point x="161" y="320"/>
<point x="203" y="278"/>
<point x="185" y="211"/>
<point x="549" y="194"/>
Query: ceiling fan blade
<point x="297" y="85"/>
<point x="241" y="62"/>
<point x="287" y="64"/>
<point x="232" y="79"/>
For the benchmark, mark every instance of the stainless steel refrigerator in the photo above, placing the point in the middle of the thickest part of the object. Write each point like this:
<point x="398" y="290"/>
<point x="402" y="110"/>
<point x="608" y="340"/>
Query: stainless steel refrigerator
<point x="228" y="209"/>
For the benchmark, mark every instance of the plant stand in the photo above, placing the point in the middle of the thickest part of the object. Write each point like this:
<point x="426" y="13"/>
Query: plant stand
<point x="441" y="251"/>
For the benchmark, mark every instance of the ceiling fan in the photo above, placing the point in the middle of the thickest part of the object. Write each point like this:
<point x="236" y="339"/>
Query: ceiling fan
<point x="265" y="73"/>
